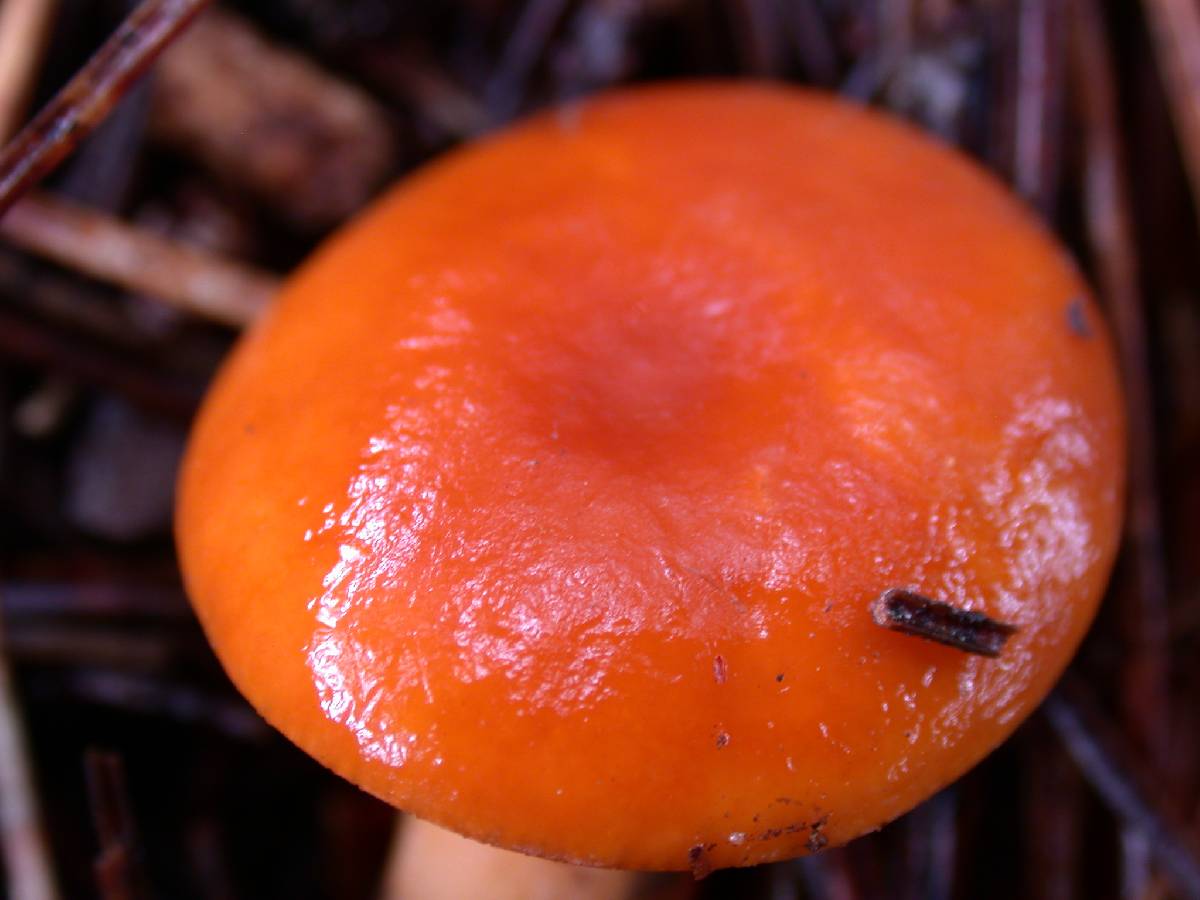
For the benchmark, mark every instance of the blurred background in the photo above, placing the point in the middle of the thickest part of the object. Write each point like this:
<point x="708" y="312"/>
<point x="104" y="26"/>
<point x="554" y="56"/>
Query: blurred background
<point x="273" y="121"/>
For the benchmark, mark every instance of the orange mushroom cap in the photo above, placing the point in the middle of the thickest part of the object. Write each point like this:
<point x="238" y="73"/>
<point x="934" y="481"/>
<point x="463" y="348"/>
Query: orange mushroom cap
<point x="551" y="500"/>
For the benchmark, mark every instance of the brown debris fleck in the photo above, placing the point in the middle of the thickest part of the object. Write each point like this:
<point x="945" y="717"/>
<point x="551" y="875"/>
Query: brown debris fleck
<point x="771" y="833"/>
<point x="698" y="860"/>
<point x="722" y="739"/>
<point x="719" y="668"/>
<point x="1077" y="318"/>
<point x="816" y="839"/>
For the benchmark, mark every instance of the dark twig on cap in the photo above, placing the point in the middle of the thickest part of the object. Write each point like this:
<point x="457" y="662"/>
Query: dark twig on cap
<point x="911" y="613"/>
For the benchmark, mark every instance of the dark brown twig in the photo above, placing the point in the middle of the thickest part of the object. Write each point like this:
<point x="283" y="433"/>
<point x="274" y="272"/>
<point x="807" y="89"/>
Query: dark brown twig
<point x="87" y="98"/>
<point x="1105" y="761"/>
<point x="911" y="613"/>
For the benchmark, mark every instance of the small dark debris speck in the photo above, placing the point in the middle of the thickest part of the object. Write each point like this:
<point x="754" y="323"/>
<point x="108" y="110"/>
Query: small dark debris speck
<point x="719" y="668"/>
<point x="779" y="677"/>
<point x="1077" y="318"/>
<point x="722" y="740"/>
<point x="772" y="833"/>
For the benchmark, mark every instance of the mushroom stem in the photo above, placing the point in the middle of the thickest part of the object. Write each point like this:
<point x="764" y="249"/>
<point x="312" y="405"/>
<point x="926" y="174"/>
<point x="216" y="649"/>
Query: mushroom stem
<point x="431" y="863"/>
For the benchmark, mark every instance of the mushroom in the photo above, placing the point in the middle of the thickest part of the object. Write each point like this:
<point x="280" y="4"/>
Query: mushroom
<point x="561" y="498"/>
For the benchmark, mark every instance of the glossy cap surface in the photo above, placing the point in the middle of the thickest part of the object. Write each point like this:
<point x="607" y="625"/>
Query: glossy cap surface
<point x="551" y="499"/>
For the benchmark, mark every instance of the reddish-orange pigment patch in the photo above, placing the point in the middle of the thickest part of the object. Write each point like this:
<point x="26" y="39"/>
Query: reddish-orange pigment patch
<point x="550" y="501"/>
